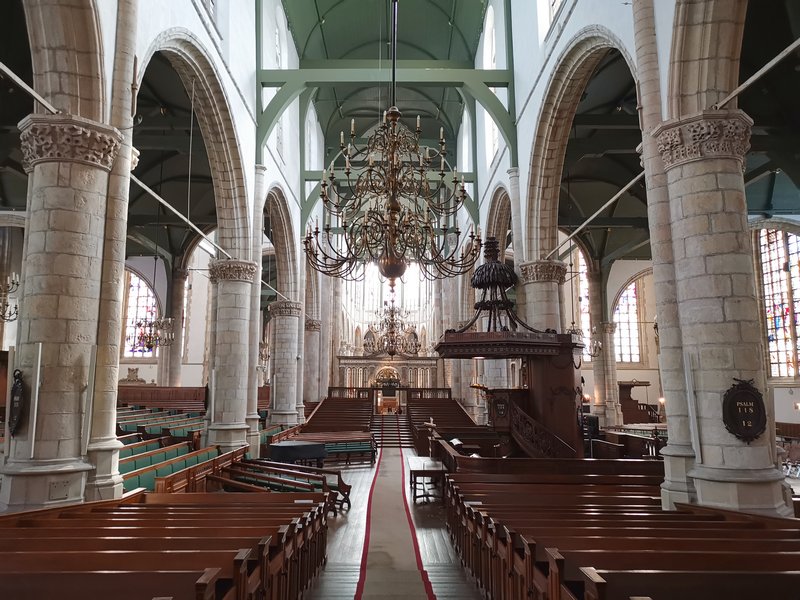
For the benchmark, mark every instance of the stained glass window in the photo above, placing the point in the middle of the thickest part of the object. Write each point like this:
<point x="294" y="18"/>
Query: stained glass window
<point x="780" y="272"/>
<point x="140" y="306"/>
<point x="626" y="316"/>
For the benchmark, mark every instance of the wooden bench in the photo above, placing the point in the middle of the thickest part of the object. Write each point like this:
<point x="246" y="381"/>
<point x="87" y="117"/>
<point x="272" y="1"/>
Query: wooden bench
<point x="687" y="585"/>
<point x="192" y="477"/>
<point x="529" y="533"/>
<point x="217" y="546"/>
<point x="153" y="457"/>
<point x="142" y="446"/>
<point x="146" y="476"/>
<point x="333" y="477"/>
<point x="153" y="396"/>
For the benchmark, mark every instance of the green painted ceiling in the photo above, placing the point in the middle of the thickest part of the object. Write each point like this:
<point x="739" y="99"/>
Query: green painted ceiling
<point x="447" y="30"/>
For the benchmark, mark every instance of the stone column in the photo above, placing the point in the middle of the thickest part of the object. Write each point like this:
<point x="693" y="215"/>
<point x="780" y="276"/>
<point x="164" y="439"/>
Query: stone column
<point x="68" y="159"/>
<point x="234" y="278"/>
<point x="336" y="310"/>
<point x="300" y="336"/>
<point x="703" y="157"/>
<point x="252" y="418"/>
<point x="178" y="297"/>
<point x="518" y="242"/>
<point x="541" y="280"/>
<point x="678" y="454"/>
<point x="105" y="481"/>
<point x="325" y="341"/>
<point x="311" y="361"/>
<point x="285" y="317"/>
<point x="607" y="362"/>
<point x="604" y="365"/>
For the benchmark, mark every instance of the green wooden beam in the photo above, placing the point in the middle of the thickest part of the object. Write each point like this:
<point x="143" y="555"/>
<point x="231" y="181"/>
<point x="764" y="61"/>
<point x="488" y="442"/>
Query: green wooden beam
<point x="474" y="83"/>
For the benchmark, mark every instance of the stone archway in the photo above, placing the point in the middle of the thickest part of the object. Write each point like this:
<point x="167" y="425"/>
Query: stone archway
<point x="499" y="218"/>
<point x="285" y="243"/>
<point x="701" y="74"/>
<point x="57" y="30"/>
<point x="192" y="63"/>
<point x="567" y="83"/>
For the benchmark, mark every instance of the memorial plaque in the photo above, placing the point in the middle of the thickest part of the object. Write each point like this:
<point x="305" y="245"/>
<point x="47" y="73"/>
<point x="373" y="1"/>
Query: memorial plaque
<point x="17" y="403"/>
<point x="743" y="411"/>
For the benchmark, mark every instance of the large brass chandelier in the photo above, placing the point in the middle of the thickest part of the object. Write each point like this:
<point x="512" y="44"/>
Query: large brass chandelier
<point x="390" y="335"/>
<point x="392" y="202"/>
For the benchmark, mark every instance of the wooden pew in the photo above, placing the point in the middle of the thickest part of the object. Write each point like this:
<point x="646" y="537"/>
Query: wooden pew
<point x="208" y="526"/>
<point x="333" y="476"/>
<point x="688" y="585"/>
<point x="117" y="584"/>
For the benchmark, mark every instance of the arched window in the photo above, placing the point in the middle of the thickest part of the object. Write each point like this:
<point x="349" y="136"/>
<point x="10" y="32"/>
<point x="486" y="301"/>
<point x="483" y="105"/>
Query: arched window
<point x="140" y="306"/>
<point x="490" y="62"/>
<point x="583" y="306"/>
<point x="780" y="273"/>
<point x="626" y="316"/>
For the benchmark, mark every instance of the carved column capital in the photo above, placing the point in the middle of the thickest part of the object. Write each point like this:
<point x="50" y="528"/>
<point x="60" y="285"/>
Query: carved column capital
<point x="134" y="157"/>
<point x="67" y="138"/>
<point x="708" y="134"/>
<point x="286" y="308"/>
<point x="180" y="274"/>
<point x="229" y="269"/>
<point x="313" y="324"/>
<point x="544" y="270"/>
<point x="608" y="327"/>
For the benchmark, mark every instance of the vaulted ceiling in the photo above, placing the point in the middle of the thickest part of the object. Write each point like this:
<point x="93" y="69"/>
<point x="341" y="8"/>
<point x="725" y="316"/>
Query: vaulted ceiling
<point x="441" y="30"/>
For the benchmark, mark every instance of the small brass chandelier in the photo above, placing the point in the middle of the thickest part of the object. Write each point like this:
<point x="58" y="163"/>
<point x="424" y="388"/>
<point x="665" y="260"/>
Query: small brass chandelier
<point x="389" y="207"/>
<point x="153" y="334"/>
<point x="8" y="311"/>
<point x="390" y="335"/>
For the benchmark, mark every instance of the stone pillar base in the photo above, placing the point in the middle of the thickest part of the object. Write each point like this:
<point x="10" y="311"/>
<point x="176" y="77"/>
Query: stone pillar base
<point x="283" y="417"/>
<point x="613" y="414"/>
<point x="228" y="436"/>
<point x="599" y="411"/>
<point x="759" y="491"/>
<point x="253" y="438"/>
<point x="105" y="482"/>
<point x="301" y="414"/>
<point x="678" y="486"/>
<point x="42" y="484"/>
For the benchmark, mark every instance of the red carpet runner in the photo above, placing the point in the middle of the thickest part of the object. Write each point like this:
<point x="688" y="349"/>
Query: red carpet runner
<point x="386" y="560"/>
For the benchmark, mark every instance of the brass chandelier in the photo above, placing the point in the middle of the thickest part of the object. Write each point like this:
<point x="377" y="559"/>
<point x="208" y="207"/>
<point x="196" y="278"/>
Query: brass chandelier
<point x="8" y="311"/>
<point x="391" y="204"/>
<point x="390" y="335"/>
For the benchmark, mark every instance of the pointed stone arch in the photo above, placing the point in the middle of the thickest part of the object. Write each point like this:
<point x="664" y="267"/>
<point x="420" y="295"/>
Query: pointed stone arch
<point x="192" y="62"/>
<point x="284" y="242"/>
<point x="706" y="48"/>
<point x="68" y="58"/>
<point x="576" y="66"/>
<point x="499" y="218"/>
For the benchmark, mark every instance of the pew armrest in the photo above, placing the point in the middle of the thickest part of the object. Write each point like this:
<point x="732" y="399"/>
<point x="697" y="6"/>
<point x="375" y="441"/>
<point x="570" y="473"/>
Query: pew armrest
<point x="205" y="587"/>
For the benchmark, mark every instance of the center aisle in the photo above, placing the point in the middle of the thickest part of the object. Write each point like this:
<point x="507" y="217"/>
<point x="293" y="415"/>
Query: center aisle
<point x="408" y="544"/>
<point x="390" y="568"/>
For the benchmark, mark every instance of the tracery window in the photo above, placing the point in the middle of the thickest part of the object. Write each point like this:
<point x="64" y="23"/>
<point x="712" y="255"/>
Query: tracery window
<point x="780" y="275"/>
<point x="585" y="320"/>
<point x="140" y="305"/>
<point x="626" y="316"/>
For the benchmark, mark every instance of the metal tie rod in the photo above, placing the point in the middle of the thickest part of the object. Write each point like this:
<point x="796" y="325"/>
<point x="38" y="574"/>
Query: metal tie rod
<point x="36" y="96"/>
<point x="758" y="74"/>
<point x="599" y="210"/>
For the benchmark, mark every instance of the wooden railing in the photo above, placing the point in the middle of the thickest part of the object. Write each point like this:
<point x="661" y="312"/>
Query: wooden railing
<point x="536" y="440"/>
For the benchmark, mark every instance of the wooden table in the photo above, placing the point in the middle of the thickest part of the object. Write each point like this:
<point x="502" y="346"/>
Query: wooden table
<point x="420" y="470"/>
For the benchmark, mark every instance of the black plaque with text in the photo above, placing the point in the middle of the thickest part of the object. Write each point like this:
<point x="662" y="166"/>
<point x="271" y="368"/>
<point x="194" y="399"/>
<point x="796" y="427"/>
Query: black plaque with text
<point x="743" y="411"/>
<point x="17" y="403"/>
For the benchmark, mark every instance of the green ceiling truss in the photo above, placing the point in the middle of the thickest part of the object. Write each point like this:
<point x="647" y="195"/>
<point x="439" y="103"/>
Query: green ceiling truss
<point x="472" y="84"/>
